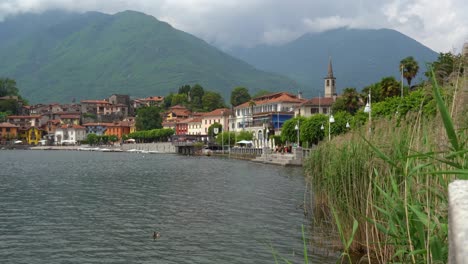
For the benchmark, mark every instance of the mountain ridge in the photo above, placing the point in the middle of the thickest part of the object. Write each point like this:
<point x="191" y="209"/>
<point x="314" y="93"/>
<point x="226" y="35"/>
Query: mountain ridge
<point x="93" y="55"/>
<point x="372" y="53"/>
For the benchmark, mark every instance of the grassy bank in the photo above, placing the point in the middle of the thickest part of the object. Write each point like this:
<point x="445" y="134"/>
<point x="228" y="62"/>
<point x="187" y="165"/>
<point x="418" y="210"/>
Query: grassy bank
<point x="394" y="181"/>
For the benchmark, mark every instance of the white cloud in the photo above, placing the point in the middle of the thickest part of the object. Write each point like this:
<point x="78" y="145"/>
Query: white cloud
<point x="437" y="24"/>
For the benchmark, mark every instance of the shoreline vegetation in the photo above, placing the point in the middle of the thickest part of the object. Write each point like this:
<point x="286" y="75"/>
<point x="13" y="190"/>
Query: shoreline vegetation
<point x="393" y="179"/>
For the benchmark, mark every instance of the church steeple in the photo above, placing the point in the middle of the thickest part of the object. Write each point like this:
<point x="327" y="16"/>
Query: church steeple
<point x="330" y="68"/>
<point x="330" y="87"/>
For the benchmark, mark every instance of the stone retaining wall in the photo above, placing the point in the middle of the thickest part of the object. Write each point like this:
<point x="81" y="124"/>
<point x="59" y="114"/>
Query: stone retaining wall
<point x="163" y="147"/>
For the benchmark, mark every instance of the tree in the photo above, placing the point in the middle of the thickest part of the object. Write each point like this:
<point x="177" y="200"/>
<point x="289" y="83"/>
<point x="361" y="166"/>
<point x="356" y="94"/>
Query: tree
<point x="311" y="131"/>
<point x="168" y="100"/>
<point x="179" y="99"/>
<point x="148" y="118"/>
<point x="212" y="100"/>
<point x="289" y="132"/>
<point x="244" y="135"/>
<point x="239" y="95"/>
<point x="10" y="105"/>
<point x="349" y="101"/>
<point x="184" y="89"/>
<point x="409" y="68"/>
<point x="211" y="133"/>
<point x="92" y="139"/>
<point x="8" y="87"/>
<point x="390" y="87"/>
<point x="444" y="66"/>
<point x="196" y="94"/>
<point x="261" y="93"/>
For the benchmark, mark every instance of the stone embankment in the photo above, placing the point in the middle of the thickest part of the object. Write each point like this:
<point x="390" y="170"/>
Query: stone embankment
<point x="285" y="159"/>
<point x="160" y="147"/>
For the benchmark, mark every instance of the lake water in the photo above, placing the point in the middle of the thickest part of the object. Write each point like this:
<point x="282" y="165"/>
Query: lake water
<point x="92" y="207"/>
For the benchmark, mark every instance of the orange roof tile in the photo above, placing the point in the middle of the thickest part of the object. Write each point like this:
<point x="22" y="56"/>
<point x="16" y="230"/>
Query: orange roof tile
<point x="6" y="124"/>
<point x="281" y="97"/>
<point x="323" y="101"/>
<point x="95" y="102"/>
<point x="219" y="112"/>
<point x="24" y="117"/>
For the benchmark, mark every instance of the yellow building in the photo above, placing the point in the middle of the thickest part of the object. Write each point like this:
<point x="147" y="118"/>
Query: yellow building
<point x="31" y="135"/>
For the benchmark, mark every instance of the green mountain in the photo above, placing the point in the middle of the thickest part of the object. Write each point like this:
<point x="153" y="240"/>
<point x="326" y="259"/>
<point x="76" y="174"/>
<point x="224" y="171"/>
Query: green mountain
<point x="58" y="56"/>
<point x="359" y="57"/>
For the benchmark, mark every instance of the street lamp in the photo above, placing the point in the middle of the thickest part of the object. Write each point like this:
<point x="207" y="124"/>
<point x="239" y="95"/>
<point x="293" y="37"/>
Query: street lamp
<point x="330" y="121"/>
<point x="401" y="81"/>
<point x="297" y="130"/>
<point x="367" y="109"/>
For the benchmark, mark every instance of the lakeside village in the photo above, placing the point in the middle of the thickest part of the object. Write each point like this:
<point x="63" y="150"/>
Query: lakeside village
<point x="71" y="124"/>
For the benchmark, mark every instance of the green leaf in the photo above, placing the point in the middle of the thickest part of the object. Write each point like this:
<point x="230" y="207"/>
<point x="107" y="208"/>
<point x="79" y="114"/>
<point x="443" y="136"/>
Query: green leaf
<point x="447" y="120"/>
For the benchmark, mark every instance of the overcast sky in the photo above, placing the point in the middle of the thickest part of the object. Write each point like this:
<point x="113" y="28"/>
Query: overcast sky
<point x="440" y="25"/>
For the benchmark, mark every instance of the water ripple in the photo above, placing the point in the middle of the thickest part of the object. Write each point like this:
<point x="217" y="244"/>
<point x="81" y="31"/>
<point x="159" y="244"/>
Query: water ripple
<point x="87" y="207"/>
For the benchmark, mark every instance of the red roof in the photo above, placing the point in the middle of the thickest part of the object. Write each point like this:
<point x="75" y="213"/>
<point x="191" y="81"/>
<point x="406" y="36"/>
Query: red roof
<point x="72" y="126"/>
<point x="5" y="124"/>
<point x="282" y="97"/>
<point x="70" y="116"/>
<point x="219" y="112"/>
<point x="24" y="117"/>
<point x="94" y="102"/>
<point x="54" y="121"/>
<point x="97" y="124"/>
<point x="322" y="101"/>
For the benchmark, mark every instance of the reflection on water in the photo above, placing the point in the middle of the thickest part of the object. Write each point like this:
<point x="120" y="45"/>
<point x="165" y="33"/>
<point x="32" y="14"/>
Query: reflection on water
<point x="88" y="207"/>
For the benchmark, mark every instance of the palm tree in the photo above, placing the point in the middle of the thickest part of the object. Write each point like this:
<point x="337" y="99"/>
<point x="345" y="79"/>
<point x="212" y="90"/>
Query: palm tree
<point x="409" y="68"/>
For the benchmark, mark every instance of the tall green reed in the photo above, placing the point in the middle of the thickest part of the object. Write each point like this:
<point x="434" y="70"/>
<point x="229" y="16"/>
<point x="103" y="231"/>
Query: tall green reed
<point x="394" y="183"/>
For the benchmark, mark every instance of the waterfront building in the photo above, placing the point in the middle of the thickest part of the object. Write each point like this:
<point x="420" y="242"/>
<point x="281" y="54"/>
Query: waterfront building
<point x="118" y="129"/>
<point x="265" y="113"/>
<point x="69" y="134"/>
<point x="220" y="116"/>
<point x="31" y="135"/>
<point x="195" y="126"/>
<point x="96" y="128"/>
<point x="8" y="132"/>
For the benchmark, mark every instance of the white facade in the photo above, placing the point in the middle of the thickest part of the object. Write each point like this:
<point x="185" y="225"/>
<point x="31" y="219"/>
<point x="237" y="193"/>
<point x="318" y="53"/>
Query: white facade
<point x="71" y="134"/>
<point x="195" y="127"/>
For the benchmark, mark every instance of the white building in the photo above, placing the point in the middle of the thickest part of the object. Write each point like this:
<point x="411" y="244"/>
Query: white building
<point x="70" y="134"/>
<point x="265" y="113"/>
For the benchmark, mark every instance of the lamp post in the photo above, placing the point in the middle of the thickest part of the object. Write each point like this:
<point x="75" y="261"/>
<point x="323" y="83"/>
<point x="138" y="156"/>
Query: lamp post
<point x="297" y="131"/>
<point x="222" y="131"/>
<point x="331" y="120"/>
<point x="368" y="109"/>
<point x="401" y="81"/>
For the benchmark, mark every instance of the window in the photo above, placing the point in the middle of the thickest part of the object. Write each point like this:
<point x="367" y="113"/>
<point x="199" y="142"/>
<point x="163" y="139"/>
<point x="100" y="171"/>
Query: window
<point x="324" y="110"/>
<point x="328" y="82"/>
<point x="314" y="110"/>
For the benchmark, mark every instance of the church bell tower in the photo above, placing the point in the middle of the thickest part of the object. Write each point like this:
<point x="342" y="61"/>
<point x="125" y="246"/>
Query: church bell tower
<point x="330" y="85"/>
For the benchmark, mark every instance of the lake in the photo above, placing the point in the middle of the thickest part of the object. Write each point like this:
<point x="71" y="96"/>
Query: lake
<point x="94" y="207"/>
